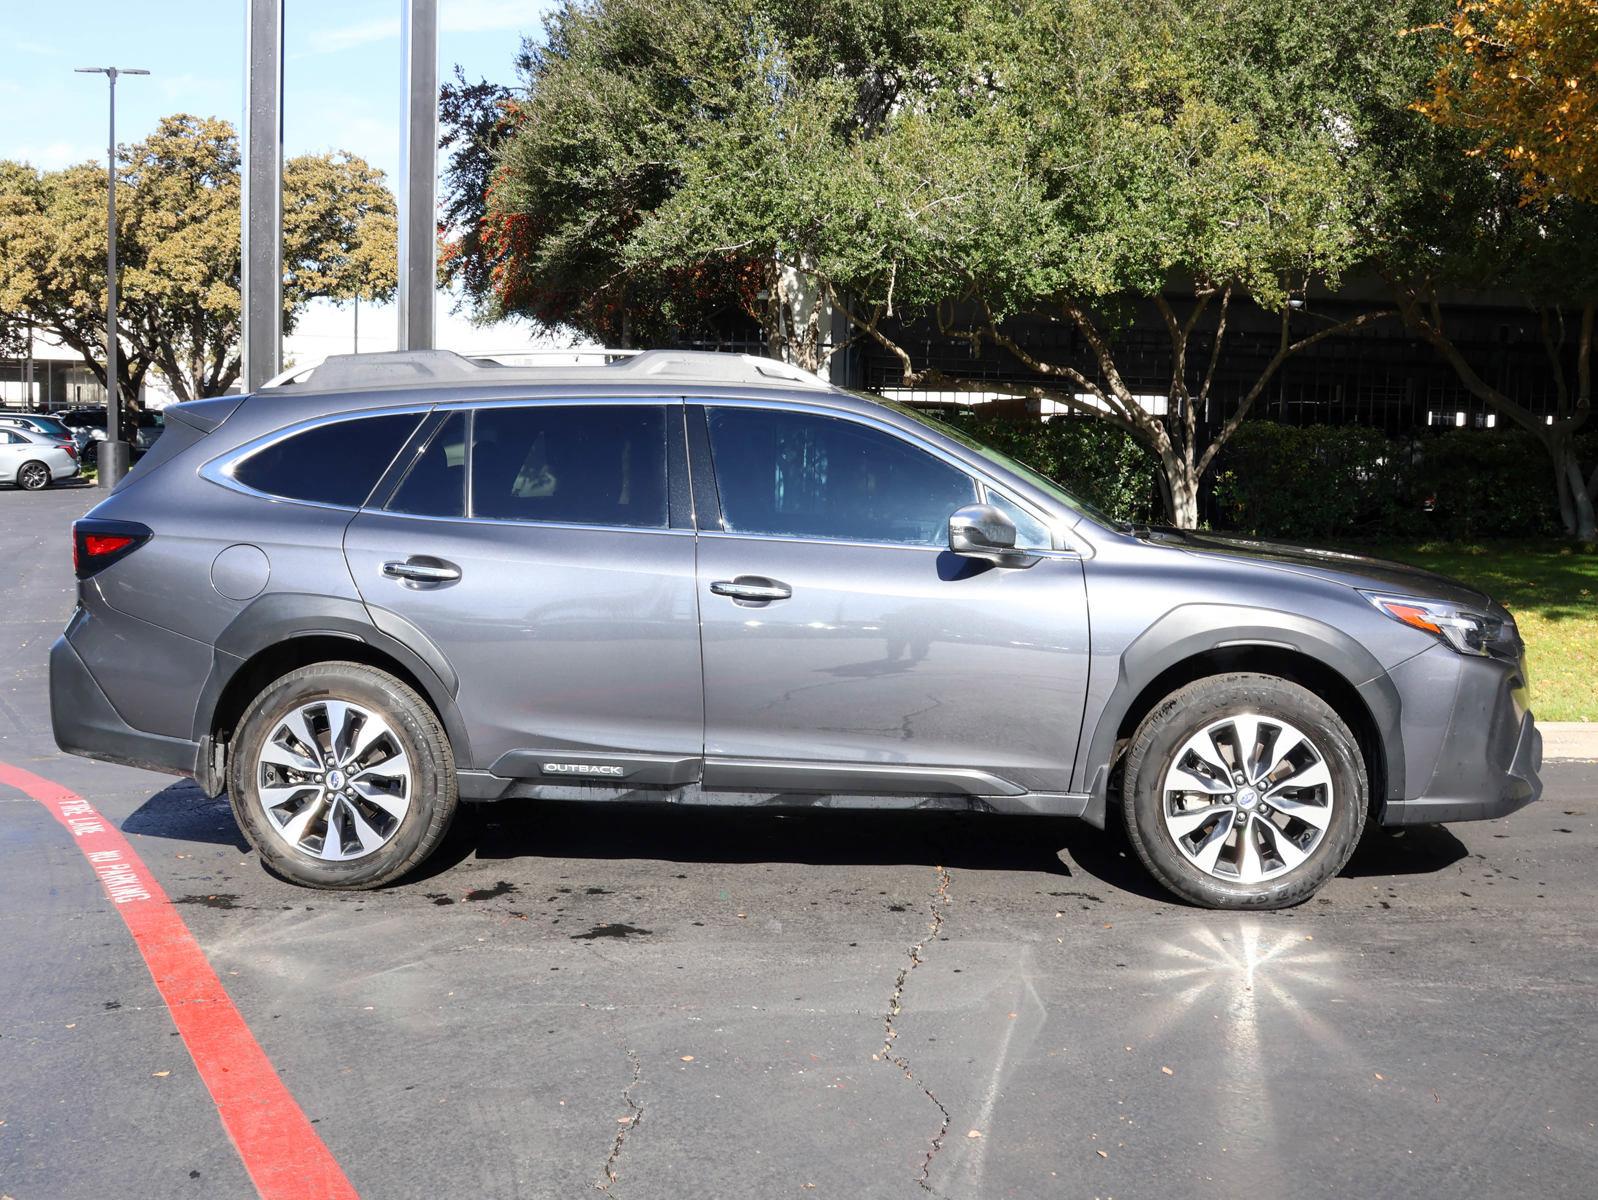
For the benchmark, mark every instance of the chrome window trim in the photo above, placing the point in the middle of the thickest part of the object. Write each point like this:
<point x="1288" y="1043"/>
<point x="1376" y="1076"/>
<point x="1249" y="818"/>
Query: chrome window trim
<point x="1057" y="553"/>
<point x="1059" y="531"/>
<point x="403" y="516"/>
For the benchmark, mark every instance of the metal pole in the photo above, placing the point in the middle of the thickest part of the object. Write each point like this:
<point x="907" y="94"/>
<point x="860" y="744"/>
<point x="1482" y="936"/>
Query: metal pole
<point x="114" y="454"/>
<point x="262" y="199"/>
<point x="418" y="223"/>
<point x="113" y="389"/>
<point x="356" y="347"/>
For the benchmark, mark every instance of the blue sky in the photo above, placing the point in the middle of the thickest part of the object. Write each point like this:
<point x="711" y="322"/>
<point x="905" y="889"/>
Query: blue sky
<point x="341" y="84"/>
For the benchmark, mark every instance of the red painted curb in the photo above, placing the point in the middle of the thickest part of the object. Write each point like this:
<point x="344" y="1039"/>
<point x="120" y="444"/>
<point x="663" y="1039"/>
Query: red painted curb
<point x="282" y="1152"/>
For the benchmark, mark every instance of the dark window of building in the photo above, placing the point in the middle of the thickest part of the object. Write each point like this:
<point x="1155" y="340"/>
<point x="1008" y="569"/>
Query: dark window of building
<point x="435" y="486"/>
<point x="599" y="464"/>
<point x="335" y="463"/>
<point x="802" y="475"/>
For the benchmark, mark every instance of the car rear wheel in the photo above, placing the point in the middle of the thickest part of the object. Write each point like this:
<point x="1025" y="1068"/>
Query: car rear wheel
<point x="1244" y="791"/>
<point x="341" y="777"/>
<point x="33" y="476"/>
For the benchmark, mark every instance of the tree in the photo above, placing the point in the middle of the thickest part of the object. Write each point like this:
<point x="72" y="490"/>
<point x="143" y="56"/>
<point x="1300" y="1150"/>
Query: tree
<point x="178" y="250"/>
<point x="1483" y="178"/>
<point x="1522" y="76"/>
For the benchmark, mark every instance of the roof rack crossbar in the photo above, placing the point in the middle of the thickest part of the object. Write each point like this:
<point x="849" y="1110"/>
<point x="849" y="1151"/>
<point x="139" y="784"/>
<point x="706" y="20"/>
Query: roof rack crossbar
<point x="349" y="372"/>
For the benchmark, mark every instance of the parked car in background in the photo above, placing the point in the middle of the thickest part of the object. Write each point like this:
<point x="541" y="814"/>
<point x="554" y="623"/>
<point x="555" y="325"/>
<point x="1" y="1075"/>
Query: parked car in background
<point x="685" y="578"/>
<point x="35" y="460"/>
<point x="46" y="424"/>
<point x="143" y="430"/>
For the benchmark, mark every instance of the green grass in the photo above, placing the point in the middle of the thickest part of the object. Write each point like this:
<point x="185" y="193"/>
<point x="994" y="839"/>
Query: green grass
<point x="1552" y="588"/>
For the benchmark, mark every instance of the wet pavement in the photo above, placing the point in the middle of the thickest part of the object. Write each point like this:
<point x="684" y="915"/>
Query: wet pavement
<point x="718" y="1003"/>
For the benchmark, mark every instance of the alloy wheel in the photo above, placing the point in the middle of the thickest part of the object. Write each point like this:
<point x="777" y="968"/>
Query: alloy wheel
<point x="1247" y="798"/>
<point x="334" y="780"/>
<point x="33" y="476"/>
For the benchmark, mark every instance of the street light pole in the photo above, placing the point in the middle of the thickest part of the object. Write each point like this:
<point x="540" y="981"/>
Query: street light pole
<point x="114" y="454"/>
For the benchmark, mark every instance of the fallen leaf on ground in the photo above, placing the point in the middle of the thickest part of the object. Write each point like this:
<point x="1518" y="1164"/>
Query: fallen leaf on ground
<point x="1101" y="1154"/>
<point x="160" y="1074"/>
<point x="1167" y="1071"/>
<point x="975" y="1133"/>
<point x="688" y="1058"/>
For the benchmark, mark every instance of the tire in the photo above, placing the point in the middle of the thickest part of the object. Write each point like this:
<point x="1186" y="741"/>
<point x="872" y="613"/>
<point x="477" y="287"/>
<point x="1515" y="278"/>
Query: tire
<point x="281" y="803"/>
<point x="33" y="476"/>
<point x="1267" y="840"/>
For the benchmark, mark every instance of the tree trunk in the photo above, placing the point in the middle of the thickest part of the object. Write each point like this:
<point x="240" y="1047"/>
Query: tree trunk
<point x="1581" y="501"/>
<point x="1180" y="483"/>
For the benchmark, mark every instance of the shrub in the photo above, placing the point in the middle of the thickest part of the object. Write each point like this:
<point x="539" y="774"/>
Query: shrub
<point x="1090" y="458"/>
<point x="1486" y="485"/>
<point x="1308" y="481"/>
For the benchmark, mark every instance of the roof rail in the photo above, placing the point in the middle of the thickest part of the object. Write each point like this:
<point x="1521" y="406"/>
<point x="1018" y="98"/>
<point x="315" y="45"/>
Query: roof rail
<point x="400" y="368"/>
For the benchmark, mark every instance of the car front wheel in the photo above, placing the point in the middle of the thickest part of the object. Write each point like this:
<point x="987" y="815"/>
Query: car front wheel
<point x="1244" y="791"/>
<point x="341" y="776"/>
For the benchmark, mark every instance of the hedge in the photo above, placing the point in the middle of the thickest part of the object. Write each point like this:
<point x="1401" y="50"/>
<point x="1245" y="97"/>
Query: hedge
<point x="1313" y="482"/>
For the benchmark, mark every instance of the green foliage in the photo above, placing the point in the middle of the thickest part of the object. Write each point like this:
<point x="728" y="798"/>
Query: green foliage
<point x="178" y="249"/>
<point x="1104" y="465"/>
<point x="1311" y="482"/>
<point x="1486" y="485"/>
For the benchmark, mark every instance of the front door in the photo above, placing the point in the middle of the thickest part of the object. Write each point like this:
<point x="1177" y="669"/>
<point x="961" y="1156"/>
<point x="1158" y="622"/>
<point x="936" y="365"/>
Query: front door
<point x="846" y="649"/>
<point x="534" y="545"/>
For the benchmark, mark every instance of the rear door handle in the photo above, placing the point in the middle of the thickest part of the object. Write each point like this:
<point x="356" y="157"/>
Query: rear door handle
<point x="419" y="569"/>
<point x="754" y="588"/>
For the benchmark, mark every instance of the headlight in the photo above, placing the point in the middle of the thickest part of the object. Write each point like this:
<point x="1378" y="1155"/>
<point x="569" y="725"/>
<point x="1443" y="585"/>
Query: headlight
<point x="1465" y="629"/>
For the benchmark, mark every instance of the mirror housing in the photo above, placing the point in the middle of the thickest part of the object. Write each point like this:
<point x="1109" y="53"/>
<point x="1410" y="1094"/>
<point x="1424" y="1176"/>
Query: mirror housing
<point x="982" y="531"/>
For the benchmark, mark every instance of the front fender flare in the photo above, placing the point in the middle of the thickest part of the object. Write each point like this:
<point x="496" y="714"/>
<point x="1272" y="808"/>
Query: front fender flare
<point x="1190" y="630"/>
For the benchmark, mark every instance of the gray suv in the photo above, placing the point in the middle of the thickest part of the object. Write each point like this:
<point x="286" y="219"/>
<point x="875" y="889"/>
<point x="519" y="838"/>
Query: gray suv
<point x="413" y="579"/>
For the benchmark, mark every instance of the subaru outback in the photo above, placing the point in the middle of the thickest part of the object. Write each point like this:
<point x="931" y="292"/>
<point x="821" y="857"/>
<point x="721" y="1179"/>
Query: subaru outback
<point x="354" y="600"/>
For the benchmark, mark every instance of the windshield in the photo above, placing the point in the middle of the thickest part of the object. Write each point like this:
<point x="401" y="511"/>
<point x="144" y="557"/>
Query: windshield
<point x="1040" y="481"/>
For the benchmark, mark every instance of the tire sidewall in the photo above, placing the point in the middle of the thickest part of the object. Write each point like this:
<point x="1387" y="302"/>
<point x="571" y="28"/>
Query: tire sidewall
<point x="433" y="788"/>
<point x="1193" y="708"/>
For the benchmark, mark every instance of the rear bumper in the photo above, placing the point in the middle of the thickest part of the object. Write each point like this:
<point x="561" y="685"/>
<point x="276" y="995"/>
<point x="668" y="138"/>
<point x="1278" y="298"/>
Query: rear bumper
<point x="86" y="723"/>
<point x="1484" y="755"/>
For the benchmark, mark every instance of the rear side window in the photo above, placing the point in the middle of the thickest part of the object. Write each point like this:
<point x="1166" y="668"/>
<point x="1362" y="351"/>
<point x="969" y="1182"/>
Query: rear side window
<point x="803" y="475"/>
<point x="590" y="465"/>
<point x="435" y="486"/>
<point x="336" y="463"/>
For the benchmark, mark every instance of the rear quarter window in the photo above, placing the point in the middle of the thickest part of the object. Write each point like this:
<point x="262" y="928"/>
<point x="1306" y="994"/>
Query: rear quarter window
<point x="337" y="463"/>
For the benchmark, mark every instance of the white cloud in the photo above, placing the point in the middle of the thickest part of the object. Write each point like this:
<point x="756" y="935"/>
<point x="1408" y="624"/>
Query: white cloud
<point x="454" y="16"/>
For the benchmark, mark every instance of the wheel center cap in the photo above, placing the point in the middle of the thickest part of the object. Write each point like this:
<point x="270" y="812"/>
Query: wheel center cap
<point x="335" y="780"/>
<point x="1246" y="797"/>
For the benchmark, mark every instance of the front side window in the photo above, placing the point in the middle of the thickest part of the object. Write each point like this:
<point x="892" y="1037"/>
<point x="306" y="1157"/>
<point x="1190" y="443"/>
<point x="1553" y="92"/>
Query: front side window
<point x="1030" y="533"/>
<point x="337" y="463"/>
<point x="601" y="464"/>
<point x="803" y="475"/>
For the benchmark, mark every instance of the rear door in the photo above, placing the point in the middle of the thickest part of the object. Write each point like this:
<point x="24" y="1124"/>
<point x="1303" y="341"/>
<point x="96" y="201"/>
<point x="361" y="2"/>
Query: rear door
<point x="845" y="648"/>
<point x="539" y="546"/>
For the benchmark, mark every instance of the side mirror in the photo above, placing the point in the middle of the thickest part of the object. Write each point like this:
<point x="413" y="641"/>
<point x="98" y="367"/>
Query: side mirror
<point x="982" y="531"/>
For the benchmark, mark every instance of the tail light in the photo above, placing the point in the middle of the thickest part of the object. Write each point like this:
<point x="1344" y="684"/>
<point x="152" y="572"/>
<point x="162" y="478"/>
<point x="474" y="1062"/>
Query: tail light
<point x="71" y="450"/>
<point x="97" y="543"/>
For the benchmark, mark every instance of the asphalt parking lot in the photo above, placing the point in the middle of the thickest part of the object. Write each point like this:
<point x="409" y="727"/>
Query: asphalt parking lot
<point x="756" y="1004"/>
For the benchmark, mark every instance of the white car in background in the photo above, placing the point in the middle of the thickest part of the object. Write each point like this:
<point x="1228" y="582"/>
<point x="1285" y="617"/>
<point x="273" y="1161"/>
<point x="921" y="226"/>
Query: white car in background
<point x="34" y="461"/>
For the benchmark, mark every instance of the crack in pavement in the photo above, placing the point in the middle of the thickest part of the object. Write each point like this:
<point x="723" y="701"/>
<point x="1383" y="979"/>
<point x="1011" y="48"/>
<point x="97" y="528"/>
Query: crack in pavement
<point x="935" y="907"/>
<point x="628" y="1123"/>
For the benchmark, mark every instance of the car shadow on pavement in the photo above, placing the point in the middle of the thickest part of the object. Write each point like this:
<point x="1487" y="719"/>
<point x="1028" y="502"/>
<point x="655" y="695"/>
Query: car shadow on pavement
<point x="815" y="836"/>
<point x="1411" y="850"/>
<point x="184" y="813"/>
<point x="820" y="837"/>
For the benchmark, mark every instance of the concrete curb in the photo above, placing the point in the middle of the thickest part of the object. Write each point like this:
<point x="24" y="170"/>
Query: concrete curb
<point x="1570" y="740"/>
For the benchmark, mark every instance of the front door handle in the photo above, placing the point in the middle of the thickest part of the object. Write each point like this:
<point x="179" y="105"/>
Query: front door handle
<point x="752" y="588"/>
<point x="419" y="570"/>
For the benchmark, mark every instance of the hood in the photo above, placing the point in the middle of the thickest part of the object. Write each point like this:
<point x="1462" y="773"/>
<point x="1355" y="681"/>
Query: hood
<point x="1354" y="570"/>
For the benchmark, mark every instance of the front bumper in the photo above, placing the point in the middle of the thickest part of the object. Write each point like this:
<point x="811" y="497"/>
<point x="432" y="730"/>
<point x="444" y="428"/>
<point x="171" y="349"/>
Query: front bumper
<point x="1471" y="745"/>
<point x="86" y="723"/>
